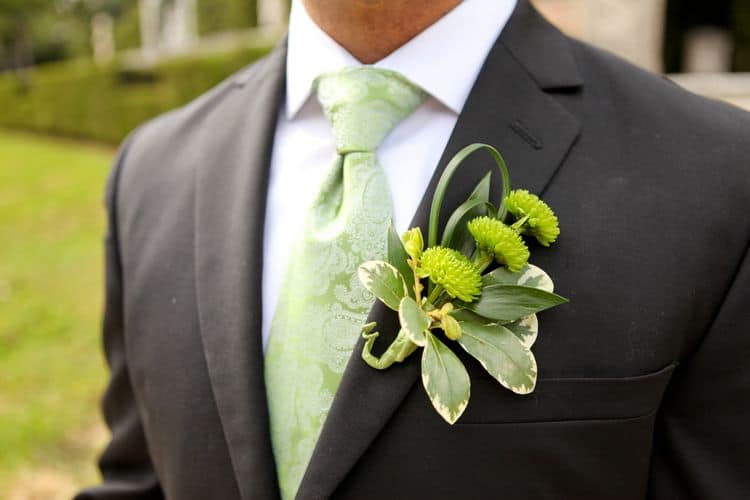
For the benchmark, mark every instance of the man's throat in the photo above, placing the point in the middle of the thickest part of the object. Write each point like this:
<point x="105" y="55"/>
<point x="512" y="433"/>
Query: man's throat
<point x="372" y="29"/>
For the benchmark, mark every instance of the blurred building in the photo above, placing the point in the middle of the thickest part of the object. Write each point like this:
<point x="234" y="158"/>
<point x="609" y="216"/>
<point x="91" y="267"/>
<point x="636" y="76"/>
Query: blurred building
<point x="703" y="44"/>
<point x="172" y="26"/>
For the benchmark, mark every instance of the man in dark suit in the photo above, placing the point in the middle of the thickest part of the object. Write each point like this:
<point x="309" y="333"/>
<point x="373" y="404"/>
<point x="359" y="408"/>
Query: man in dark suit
<point x="644" y="384"/>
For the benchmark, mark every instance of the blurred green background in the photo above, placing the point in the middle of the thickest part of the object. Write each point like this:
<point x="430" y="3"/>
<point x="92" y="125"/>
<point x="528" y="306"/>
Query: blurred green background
<point x="50" y="295"/>
<point x="75" y="77"/>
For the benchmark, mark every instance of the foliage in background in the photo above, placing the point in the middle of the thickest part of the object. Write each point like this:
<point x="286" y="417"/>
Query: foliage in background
<point x="80" y="99"/>
<point x="56" y="37"/>
<point x="51" y="226"/>
<point x="128" y="30"/>
<point x="223" y="15"/>
<point x="16" y="18"/>
<point x="39" y="31"/>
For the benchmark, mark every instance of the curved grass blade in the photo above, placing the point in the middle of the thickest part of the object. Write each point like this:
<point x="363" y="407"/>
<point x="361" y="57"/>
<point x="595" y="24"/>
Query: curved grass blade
<point x="447" y="175"/>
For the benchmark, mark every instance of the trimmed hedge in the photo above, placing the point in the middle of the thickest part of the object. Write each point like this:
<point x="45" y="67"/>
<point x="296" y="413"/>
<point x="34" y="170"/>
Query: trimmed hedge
<point x="80" y="99"/>
<point x="224" y="15"/>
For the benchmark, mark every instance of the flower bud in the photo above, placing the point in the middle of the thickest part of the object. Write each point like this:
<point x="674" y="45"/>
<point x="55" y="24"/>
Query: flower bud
<point x="413" y="242"/>
<point x="451" y="327"/>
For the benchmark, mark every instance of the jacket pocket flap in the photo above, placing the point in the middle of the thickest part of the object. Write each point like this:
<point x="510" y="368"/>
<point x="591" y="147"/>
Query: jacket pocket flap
<point x="568" y="399"/>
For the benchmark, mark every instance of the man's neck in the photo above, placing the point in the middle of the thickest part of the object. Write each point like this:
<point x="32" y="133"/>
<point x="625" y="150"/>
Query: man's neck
<point x="372" y="29"/>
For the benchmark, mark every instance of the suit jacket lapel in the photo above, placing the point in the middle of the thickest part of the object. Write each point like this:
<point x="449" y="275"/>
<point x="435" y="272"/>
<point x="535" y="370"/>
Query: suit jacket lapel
<point x="511" y="109"/>
<point x="230" y="203"/>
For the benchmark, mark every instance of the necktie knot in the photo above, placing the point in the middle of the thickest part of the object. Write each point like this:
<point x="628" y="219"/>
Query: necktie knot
<point x="364" y="104"/>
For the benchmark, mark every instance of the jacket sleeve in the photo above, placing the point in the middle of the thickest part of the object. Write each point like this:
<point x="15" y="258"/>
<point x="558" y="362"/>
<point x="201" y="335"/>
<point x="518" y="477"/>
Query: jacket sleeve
<point x="126" y="467"/>
<point x="702" y="442"/>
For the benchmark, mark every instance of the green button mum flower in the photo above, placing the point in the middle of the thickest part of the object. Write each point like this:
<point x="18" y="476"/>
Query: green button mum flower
<point x="501" y="241"/>
<point x="541" y="221"/>
<point x="453" y="271"/>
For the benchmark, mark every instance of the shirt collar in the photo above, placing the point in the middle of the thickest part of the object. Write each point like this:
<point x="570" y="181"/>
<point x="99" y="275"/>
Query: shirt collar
<point x="456" y="44"/>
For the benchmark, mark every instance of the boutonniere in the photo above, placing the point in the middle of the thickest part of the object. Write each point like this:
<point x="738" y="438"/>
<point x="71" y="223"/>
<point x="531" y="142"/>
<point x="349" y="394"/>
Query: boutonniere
<point x="475" y="288"/>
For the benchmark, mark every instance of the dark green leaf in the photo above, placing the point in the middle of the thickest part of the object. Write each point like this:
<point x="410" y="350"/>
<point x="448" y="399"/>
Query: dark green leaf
<point x="511" y="302"/>
<point x="478" y="203"/>
<point x="445" y="379"/>
<point x="397" y="258"/>
<point x="482" y="190"/>
<point x="527" y="327"/>
<point x="463" y="314"/>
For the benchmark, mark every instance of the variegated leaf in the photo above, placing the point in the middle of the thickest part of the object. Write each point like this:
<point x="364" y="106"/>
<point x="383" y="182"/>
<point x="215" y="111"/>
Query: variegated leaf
<point x="445" y="379"/>
<point x="384" y="281"/>
<point x="502" y="354"/>
<point x="526" y="329"/>
<point x="414" y="321"/>
<point x="529" y="275"/>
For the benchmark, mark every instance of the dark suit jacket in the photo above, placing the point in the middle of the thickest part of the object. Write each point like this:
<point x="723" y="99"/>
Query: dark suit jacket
<point x="644" y="382"/>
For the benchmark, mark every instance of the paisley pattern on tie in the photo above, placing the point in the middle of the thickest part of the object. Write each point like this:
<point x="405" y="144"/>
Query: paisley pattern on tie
<point x="322" y="305"/>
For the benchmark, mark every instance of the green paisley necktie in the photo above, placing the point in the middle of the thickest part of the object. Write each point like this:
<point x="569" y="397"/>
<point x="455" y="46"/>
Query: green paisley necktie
<point x="322" y="305"/>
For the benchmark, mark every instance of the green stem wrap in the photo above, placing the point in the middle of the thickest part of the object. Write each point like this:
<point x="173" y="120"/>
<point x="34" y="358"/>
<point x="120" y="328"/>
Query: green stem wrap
<point x="398" y="351"/>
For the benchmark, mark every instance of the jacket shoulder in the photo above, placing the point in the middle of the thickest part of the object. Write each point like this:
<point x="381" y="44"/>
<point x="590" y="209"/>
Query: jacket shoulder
<point x="680" y="154"/>
<point x="654" y="98"/>
<point x="637" y="112"/>
<point x="167" y="129"/>
<point x="161" y="154"/>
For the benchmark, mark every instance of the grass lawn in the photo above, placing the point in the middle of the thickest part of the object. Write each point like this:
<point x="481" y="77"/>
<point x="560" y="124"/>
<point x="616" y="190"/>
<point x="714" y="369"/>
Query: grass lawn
<point x="52" y="368"/>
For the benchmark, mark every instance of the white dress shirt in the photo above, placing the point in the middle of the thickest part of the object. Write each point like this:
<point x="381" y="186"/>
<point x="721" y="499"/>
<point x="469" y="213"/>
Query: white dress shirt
<point x="444" y="60"/>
